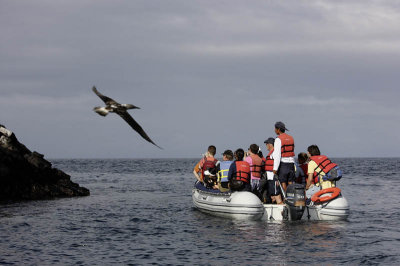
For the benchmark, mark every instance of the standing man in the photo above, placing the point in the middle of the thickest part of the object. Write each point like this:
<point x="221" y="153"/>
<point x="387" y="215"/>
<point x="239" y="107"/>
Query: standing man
<point x="283" y="156"/>
<point x="271" y="186"/>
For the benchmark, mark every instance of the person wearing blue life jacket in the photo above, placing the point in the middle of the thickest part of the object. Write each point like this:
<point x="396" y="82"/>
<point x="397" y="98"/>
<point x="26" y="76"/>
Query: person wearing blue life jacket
<point x="239" y="173"/>
<point x="223" y="169"/>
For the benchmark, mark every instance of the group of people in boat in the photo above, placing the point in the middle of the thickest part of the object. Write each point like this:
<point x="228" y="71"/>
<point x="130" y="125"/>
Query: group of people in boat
<point x="267" y="176"/>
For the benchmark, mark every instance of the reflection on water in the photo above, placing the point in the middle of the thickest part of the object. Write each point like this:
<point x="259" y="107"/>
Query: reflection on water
<point x="308" y="240"/>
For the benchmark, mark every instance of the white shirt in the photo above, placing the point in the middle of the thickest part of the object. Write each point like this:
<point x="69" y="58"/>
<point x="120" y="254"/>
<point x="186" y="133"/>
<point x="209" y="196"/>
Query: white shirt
<point x="277" y="155"/>
<point x="270" y="175"/>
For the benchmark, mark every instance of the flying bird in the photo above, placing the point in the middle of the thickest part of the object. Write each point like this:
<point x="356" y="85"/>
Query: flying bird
<point x="120" y="109"/>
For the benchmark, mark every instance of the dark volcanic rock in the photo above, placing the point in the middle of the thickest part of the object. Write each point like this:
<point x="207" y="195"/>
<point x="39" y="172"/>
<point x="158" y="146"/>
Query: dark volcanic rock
<point x="26" y="175"/>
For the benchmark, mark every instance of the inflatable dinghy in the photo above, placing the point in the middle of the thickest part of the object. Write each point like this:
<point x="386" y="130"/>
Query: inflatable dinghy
<point x="327" y="205"/>
<point x="238" y="204"/>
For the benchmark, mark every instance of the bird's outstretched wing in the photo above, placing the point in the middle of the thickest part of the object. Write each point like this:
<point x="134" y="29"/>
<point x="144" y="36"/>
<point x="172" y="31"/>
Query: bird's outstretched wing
<point x="129" y="119"/>
<point x="106" y="100"/>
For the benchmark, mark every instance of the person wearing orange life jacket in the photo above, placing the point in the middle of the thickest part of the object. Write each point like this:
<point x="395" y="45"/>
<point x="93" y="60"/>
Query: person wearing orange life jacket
<point x="283" y="156"/>
<point x="206" y="163"/>
<point x="256" y="168"/>
<point x="272" y="188"/>
<point x="318" y="166"/>
<point x="239" y="173"/>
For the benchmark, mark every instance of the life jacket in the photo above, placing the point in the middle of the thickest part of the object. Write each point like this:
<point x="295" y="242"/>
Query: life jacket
<point x="301" y="173"/>
<point x="242" y="171"/>
<point x="269" y="162"/>
<point x="256" y="166"/>
<point x="224" y="169"/>
<point x="209" y="163"/>
<point x="304" y="167"/>
<point x="324" y="165"/>
<point x="287" y="145"/>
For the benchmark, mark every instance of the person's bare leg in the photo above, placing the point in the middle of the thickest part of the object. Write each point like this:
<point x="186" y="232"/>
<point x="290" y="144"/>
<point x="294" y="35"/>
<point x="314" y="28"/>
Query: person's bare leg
<point x="278" y="199"/>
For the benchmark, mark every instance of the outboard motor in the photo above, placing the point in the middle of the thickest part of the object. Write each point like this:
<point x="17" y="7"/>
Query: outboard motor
<point x="296" y="201"/>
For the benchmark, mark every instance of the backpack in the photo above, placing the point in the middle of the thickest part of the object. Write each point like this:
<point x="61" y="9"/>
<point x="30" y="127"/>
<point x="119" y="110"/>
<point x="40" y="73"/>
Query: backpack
<point x="335" y="174"/>
<point x="209" y="173"/>
<point x="210" y="166"/>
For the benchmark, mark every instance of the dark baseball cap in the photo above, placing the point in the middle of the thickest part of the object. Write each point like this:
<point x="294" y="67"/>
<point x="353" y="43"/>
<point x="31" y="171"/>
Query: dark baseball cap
<point x="269" y="141"/>
<point x="280" y="125"/>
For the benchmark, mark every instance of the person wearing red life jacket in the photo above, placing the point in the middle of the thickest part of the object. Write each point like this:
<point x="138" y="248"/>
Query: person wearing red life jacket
<point x="283" y="156"/>
<point x="207" y="164"/>
<point x="272" y="194"/>
<point x="301" y="168"/>
<point x="318" y="166"/>
<point x="239" y="173"/>
<point x="256" y="168"/>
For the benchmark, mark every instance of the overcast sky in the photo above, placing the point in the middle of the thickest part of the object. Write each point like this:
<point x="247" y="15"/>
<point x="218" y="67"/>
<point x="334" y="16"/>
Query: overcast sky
<point x="202" y="72"/>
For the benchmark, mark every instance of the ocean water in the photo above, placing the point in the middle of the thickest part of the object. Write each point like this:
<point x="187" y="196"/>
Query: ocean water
<point x="140" y="212"/>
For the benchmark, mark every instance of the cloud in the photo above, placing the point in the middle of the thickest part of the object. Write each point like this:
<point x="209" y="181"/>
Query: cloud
<point x="188" y="64"/>
<point x="25" y="101"/>
<point x="302" y="27"/>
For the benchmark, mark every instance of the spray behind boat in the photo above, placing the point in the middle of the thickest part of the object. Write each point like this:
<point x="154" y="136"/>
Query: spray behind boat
<point x="296" y="201"/>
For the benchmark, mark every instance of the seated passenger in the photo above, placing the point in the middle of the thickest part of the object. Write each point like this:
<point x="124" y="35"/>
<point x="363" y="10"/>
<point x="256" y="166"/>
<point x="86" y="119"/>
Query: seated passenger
<point x="256" y="168"/>
<point x="208" y="162"/>
<point x="301" y="168"/>
<point x="239" y="173"/>
<point x="223" y="169"/>
<point x="318" y="167"/>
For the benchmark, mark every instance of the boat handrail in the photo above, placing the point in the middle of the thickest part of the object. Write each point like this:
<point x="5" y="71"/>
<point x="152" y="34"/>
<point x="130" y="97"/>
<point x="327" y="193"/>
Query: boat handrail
<point x="215" y="192"/>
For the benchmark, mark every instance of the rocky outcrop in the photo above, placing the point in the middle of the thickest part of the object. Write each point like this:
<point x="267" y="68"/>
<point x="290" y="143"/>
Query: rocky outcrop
<point x="26" y="175"/>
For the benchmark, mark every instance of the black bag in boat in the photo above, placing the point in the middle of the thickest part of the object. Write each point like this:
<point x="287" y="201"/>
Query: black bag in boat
<point x="210" y="181"/>
<point x="236" y="184"/>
